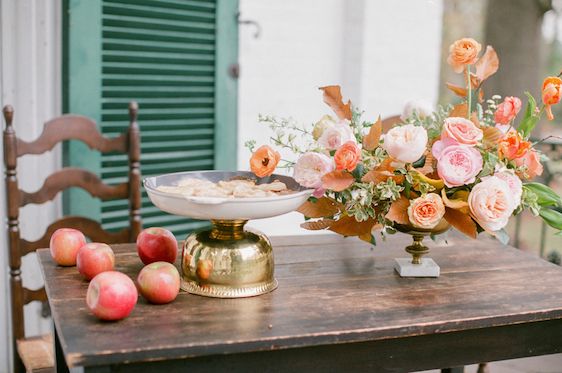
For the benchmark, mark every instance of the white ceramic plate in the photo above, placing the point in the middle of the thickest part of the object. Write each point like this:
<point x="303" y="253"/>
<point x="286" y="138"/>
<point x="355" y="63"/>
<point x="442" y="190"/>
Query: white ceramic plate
<point x="207" y="208"/>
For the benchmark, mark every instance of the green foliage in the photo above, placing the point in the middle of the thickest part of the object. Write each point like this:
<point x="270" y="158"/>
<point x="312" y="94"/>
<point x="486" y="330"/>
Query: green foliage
<point x="545" y="195"/>
<point x="529" y="199"/>
<point x="551" y="217"/>
<point x="490" y="160"/>
<point x="432" y="123"/>
<point x="250" y="145"/>
<point x="531" y="117"/>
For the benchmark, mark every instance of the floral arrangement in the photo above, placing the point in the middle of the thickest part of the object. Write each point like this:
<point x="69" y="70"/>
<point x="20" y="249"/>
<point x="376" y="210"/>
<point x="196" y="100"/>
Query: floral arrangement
<point x="470" y="164"/>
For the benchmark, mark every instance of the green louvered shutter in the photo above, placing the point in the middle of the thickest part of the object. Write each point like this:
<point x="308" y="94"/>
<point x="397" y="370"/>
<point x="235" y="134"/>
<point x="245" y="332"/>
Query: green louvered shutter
<point x="173" y="58"/>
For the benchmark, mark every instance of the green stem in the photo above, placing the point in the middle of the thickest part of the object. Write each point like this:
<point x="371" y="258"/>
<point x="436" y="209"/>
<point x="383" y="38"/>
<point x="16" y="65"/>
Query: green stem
<point x="469" y="94"/>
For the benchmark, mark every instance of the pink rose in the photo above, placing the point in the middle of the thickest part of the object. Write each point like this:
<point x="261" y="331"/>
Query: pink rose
<point x="532" y="161"/>
<point x="513" y="182"/>
<point x="310" y="168"/>
<point x="491" y="203"/>
<point x="458" y="165"/>
<point x="462" y="130"/>
<point x="426" y="211"/>
<point x="335" y="135"/>
<point x="406" y="143"/>
<point x="507" y="110"/>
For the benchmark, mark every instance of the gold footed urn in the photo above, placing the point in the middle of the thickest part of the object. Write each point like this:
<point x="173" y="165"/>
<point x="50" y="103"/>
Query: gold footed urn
<point x="418" y="266"/>
<point x="227" y="261"/>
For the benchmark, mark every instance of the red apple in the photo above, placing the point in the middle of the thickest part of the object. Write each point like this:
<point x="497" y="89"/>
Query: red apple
<point x="157" y="245"/>
<point x="94" y="258"/>
<point x="159" y="282"/>
<point x="64" y="245"/>
<point x="111" y="295"/>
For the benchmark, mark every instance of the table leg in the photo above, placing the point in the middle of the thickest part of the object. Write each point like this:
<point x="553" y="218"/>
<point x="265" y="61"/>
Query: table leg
<point x="60" y="362"/>
<point x="453" y="370"/>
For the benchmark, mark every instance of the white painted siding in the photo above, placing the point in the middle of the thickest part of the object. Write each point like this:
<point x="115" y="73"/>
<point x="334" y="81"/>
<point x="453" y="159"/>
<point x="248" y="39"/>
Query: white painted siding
<point x="30" y="81"/>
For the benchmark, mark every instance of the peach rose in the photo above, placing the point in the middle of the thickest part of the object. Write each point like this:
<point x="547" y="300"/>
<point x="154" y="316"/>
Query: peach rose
<point x="324" y="123"/>
<point x="512" y="145"/>
<point x="463" y="52"/>
<point x="458" y="165"/>
<point x="310" y="168"/>
<point x="462" y="130"/>
<point x="491" y="203"/>
<point x="551" y="92"/>
<point x="347" y="156"/>
<point x="533" y="163"/>
<point x="264" y="160"/>
<point x="513" y="182"/>
<point x="507" y="110"/>
<point x="426" y="211"/>
<point x="406" y="143"/>
<point x="336" y="134"/>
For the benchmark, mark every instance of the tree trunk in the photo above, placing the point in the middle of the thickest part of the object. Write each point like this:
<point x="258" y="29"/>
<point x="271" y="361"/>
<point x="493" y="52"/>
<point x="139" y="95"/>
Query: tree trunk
<point x="513" y="28"/>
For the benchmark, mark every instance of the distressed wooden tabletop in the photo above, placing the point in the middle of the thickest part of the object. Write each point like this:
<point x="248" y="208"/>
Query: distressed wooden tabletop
<point x="331" y="291"/>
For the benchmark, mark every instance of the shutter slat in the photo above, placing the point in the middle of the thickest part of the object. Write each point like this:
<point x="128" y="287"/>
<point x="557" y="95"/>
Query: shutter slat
<point x="160" y="53"/>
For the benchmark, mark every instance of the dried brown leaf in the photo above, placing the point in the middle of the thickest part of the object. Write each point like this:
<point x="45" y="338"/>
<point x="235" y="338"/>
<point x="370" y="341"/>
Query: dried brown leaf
<point x="459" y="110"/>
<point x="348" y="226"/>
<point x="462" y="222"/>
<point x="428" y="165"/>
<point x="491" y="136"/>
<point x="317" y="225"/>
<point x="458" y="202"/>
<point x="398" y="211"/>
<point x="333" y="98"/>
<point x="488" y="64"/>
<point x="458" y="90"/>
<point x="371" y="140"/>
<point x="323" y="207"/>
<point x="337" y="180"/>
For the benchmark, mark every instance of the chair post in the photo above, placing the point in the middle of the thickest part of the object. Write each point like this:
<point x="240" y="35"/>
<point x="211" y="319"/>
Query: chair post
<point x="12" y="207"/>
<point x="134" y="173"/>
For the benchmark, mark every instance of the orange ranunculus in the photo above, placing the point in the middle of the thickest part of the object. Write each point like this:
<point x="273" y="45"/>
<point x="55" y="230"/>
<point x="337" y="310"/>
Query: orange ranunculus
<point x="463" y="52"/>
<point x="551" y="93"/>
<point x="533" y="162"/>
<point x="347" y="156"/>
<point x="512" y="145"/>
<point x="264" y="160"/>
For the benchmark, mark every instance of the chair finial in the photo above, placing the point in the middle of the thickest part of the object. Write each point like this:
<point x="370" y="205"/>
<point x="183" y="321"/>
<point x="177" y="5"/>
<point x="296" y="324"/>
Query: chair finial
<point x="8" y="115"/>
<point x="133" y="111"/>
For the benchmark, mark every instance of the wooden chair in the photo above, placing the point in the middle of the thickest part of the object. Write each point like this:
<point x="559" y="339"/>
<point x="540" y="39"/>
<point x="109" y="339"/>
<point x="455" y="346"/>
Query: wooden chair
<point x="36" y="354"/>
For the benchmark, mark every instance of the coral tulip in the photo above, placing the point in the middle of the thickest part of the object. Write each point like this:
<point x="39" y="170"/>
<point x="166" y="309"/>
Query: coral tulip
<point x="551" y="93"/>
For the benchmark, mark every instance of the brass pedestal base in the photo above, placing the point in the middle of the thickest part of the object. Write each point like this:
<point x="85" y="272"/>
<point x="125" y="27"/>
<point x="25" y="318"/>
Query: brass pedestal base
<point x="227" y="262"/>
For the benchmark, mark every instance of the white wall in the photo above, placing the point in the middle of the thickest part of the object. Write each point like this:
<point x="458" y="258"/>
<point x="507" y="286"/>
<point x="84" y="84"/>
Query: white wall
<point x="30" y="81"/>
<point x="382" y="53"/>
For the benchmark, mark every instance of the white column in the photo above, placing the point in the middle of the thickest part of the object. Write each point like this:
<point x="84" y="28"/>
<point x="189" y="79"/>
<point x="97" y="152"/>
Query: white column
<point x="30" y="81"/>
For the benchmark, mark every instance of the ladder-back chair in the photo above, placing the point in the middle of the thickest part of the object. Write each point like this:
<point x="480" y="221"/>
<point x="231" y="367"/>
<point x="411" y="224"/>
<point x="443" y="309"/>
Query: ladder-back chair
<point x="36" y="354"/>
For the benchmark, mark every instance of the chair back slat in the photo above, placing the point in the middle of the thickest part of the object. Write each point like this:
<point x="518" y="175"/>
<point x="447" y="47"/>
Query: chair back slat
<point x="34" y="295"/>
<point x="66" y="127"/>
<point x="74" y="177"/>
<point x="72" y="127"/>
<point x="91" y="229"/>
<point x="135" y="222"/>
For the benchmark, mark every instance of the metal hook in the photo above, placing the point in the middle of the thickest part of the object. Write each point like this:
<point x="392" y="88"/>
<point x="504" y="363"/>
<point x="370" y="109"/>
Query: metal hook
<point x="257" y="33"/>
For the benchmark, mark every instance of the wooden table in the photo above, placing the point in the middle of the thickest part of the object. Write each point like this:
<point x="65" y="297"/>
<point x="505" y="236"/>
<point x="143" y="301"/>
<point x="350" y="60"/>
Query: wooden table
<point x="339" y="307"/>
